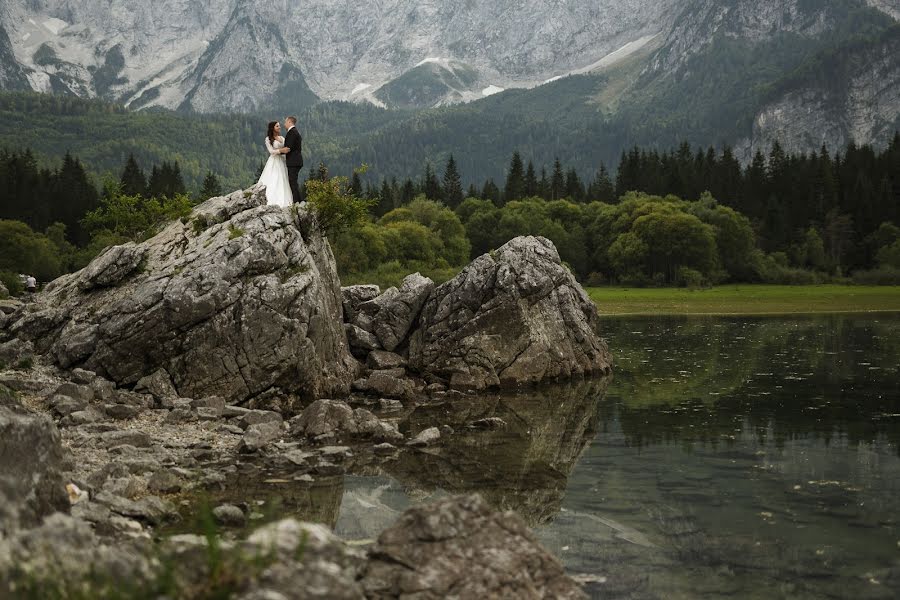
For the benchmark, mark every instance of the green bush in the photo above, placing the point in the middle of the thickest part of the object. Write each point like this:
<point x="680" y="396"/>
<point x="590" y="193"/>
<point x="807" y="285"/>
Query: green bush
<point x="884" y="275"/>
<point x="12" y="282"/>
<point x="690" y="278"/>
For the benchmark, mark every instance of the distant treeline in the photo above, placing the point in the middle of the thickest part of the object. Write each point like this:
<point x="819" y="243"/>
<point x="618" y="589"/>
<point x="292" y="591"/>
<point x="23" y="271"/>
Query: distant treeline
<point x="844" y="197"/>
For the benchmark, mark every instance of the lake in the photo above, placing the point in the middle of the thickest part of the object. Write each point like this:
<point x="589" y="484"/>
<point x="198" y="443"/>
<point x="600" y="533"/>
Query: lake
<point x="726" y="458"/>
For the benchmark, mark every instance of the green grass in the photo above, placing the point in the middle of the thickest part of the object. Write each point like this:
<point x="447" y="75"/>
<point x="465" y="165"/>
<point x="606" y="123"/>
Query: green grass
<point x="746" y="300"/>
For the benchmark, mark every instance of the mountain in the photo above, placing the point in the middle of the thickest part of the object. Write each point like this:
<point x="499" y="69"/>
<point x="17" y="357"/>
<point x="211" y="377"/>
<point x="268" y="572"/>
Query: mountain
<point x="240" y="55"/>
<point x="577" y="80"/>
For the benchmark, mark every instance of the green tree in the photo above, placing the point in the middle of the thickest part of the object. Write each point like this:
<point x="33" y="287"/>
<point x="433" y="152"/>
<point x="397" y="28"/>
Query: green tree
<point x="515" y="179"/>
<point x="453" y="192"/>
<point x="133" y="180"/>
<point x="211" y="187"/>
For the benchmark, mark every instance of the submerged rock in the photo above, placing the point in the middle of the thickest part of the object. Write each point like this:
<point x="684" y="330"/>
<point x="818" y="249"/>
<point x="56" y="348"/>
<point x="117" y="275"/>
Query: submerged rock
<point x="512" y="317"/>
<point x="236" y="300"/>
<point x="461" y="548"/>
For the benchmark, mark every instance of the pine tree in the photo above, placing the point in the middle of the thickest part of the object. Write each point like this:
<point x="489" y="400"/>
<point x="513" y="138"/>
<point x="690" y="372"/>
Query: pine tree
<point x="211" y="187"/>
<point x="574" y="188"/>
<point x="385" y="200"/>
<point x="531" y="182"/>
<point x="515" y="180"/>
<point x="453" y="193"/>
<point x="557" y="181"/>
<point x="491" y="192"/>
<point x="355" y="187"/>
<point x="407" y="192"/>
<point x="602" y="187"/>
<point x="430" y="184"/>
<point x="133" y="180"/>
<point x="473" y="192"/>
<point x="544" y="185"/>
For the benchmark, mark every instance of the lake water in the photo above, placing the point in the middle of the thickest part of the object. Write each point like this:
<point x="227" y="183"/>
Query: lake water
<point x="727" y="458"/>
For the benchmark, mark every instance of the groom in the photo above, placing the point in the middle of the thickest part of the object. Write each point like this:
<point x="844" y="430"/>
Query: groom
<point x="294" y="158"/>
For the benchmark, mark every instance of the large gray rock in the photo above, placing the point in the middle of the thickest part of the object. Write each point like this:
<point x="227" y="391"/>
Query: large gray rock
<point x="354" y="295"/>
<point x="512" y="317"/>
<point x="391" y="315"/>
<point x="334" y="417"/>
<point x="460" y="548"/>
<point x="234" y="301"/>
<point x="31" y="466"/>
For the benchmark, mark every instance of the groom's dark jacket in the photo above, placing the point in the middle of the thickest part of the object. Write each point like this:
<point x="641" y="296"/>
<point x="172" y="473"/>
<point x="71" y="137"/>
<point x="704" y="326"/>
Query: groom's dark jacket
<point x="294" y="141"/>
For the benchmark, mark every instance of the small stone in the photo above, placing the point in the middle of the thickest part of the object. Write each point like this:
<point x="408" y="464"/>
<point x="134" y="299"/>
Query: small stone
<point x="256" y="417"/>
<point x="384" y="448"/>
<point x="83" y="376"/>
<point x="180" y="415"/>
<point x="335" y="453"/>
<point x="260" y="435"/>
<point x="210" y="402"/>
<point x="229" y="515"/>
<point x="165" y="481"/>
<point x="208" y="413"/>
<point x="388" y="405"/>
<point x="132" y="437"/>
<point x="121" y="412"/>
<point x="78" y="391"/>
<point x="426" y="437"/>
<point x="489" y="423"/>
<point x="382" y="359"/>
<point x="66" y="405"/>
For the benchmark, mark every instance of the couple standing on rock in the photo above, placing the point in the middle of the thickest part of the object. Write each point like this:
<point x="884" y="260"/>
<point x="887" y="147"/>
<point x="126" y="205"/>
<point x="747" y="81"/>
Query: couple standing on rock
<point x="283" y="167"/>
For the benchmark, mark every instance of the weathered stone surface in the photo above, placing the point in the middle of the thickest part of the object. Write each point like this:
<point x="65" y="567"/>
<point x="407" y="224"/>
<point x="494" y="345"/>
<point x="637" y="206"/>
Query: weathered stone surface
<point x="4" y="292"/>
<point x="230" y="515"/>
<point x="336" y="418"/>
<point x="360" y="340"/>
<point x="426" y="437"/>
<point x="515" y="316"/>
<point x="31" y="465"/>
<point x="382" y="359"/>
<point x="326" y="568"/>
<point x="112" y="266"/>
<point x="461" y="548"/>
<point x="237" y="300"/>
<point x="388" y="383"/>
<point x="323" y="416"/>
<point x="391" y="315"/>
<point x="131" y="437"/>
<point x="354" y="295"/>
<point x="158" y="384"/>
<point x="14" y="351"/>
<point x="260" y="435"/>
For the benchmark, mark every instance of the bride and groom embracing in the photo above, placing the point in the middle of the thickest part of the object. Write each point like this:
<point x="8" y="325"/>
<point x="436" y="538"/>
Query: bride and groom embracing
<point x="284" y="164"/>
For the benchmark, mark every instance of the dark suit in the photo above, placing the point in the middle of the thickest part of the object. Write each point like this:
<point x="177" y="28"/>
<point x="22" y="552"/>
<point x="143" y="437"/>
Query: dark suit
<point x="294" y="160"/>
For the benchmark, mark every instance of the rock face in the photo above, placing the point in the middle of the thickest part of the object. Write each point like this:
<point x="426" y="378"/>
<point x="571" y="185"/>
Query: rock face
<point x="513" y="317"/>
<point x="390" y="315"/>
<point x="235" y="301"/>
<point x="461" y="548"/>
<point x="31" y="466"/>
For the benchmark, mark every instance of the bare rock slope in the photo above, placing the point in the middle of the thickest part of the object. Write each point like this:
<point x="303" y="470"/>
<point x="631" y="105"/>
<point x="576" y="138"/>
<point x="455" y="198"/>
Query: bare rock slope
<point x="238" y="300"/>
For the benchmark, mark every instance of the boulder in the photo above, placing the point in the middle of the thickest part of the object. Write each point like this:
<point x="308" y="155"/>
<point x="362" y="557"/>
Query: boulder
<point x="381" y="359"/>
<point x="461" y="548"/>
<point x="31" y="466"/>
<point x="354" y="295"/>
<point x="236" y="300"/>
<point x="260" y="435"/>
<point x="391" y="315"/>
<point x="426" y="437"/>
<point x="513" y="317"/>
<point x="158" y="384"/>
<point x="334" y="417"/>
<point x="361" y="341"/>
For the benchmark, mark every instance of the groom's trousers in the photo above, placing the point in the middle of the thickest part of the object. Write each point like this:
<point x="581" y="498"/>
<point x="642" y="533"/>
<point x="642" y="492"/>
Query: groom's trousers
<point x="293" y="175"/>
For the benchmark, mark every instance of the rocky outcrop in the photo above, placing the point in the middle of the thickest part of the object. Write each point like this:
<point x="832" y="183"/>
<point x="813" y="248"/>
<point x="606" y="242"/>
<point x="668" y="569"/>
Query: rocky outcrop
<point x="236" y="301"/>
<point x="461" y="548"/>
<point x="515" y="316"/>
<point x="389" y="316"/>
<point x="31" y="466"/>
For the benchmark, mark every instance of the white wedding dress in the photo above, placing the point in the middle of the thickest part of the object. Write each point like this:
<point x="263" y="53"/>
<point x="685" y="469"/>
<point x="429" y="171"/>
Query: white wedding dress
<point x="275" y="176"/>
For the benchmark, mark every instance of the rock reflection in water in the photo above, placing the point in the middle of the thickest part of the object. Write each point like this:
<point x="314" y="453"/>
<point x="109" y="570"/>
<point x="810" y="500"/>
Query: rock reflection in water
<point x="523" y="465"/>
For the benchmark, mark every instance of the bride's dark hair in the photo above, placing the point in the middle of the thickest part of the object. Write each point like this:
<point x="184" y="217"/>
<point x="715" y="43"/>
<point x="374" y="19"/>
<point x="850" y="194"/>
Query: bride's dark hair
<point x="270" y="132"/>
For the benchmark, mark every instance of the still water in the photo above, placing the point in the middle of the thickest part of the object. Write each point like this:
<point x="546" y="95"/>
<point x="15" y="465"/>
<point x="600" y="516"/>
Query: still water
<point x="727" y="458"/>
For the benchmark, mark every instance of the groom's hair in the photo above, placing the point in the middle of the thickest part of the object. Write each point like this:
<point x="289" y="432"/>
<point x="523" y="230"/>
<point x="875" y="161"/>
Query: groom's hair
<point x="291" y="120"/>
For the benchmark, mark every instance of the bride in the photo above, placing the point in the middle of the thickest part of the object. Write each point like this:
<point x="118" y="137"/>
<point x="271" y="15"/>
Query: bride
<point x="274" y="175"/>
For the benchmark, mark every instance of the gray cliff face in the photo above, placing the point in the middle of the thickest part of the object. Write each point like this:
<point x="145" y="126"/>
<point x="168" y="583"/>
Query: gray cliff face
<point x="233" y="55"/>
<point x="863" y="107"/>
<point x="238" y="301"/>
